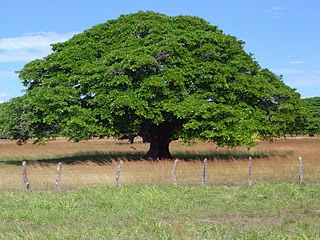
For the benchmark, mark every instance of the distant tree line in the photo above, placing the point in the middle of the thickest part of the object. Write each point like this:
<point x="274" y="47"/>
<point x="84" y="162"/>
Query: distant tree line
<point x="313" y="107"/>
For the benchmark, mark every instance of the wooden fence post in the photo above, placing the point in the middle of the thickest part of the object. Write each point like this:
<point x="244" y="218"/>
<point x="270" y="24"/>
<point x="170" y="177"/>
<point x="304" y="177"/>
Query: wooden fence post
<point x="118" y="173"/>
<point x="300" y="170"/>
<point x="174" y="169"/>
<point x="204" y="172"/>
<point x="250" y="172"/>
<point x="24" y="175"/>
<point x="58" y="176"/>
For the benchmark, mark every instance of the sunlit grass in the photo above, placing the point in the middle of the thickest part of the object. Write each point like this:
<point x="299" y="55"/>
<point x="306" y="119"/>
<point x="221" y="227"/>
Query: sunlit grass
<point x="95" y="162"/>
<point x="149" y="205"/>
<point x="267" y="211"/>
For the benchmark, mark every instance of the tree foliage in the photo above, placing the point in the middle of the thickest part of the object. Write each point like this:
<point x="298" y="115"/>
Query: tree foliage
<point x="13" y="124"/>
<point x="162" y="78"/>
<point x="313" y="106"/>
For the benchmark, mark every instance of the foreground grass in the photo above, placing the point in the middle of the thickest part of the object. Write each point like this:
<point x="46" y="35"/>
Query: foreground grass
<point x="266" y="211"/>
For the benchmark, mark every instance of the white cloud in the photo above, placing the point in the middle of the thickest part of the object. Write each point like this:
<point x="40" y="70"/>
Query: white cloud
<point x="7" y="74"/>
<point x="286" y="71"/>
<point x="310" y="80"/>
<point x="296" y="62"/>
<point x="29" y="46"/>
<point x="276" y="11"/>
<point x="3" y="97"/>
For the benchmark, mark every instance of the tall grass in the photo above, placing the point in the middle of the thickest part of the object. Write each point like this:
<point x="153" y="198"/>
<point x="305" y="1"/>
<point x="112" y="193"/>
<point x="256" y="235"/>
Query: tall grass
<point x="95" y="162"/>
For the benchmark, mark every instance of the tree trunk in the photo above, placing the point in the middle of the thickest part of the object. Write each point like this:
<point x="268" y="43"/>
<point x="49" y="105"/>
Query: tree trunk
<point x="159" y="149"/>
<point x="160" y="138"/>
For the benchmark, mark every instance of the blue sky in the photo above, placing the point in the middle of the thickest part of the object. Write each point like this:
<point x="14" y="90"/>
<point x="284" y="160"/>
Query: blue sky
<point x="283" y="35"/>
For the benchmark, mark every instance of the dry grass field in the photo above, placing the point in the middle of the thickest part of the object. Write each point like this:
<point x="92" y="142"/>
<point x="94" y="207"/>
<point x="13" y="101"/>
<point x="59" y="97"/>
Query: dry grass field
<point x="95" y="162"/>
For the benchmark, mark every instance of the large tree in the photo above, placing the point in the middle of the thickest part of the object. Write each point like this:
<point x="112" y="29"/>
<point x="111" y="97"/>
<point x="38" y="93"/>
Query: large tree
<point x="159" y="77"/>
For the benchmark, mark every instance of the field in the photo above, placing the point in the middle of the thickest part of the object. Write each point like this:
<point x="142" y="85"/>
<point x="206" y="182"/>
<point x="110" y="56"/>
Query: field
<point x="95" y="162"/>
<point x="149" y="205"/>
<point x="267" y="211"/>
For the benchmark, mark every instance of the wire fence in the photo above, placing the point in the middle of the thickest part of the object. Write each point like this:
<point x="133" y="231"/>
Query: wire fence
<point x="221" y="173"/>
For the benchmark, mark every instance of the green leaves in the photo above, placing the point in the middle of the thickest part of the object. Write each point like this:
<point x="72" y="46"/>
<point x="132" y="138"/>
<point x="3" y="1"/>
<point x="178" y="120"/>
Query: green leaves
<point x="313" y="110"/>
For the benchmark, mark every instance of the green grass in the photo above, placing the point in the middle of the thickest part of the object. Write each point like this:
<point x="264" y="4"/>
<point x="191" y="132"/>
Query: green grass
<point x="266" y="211"/>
